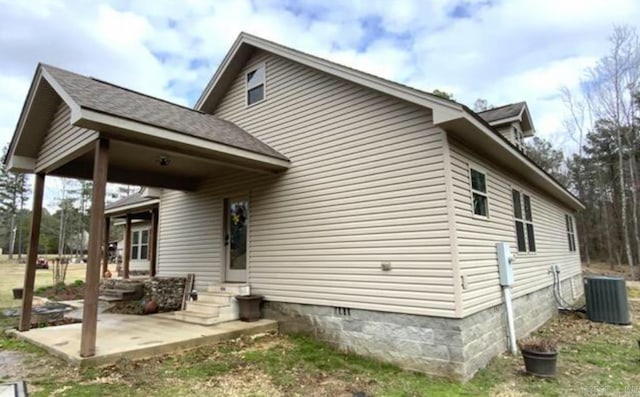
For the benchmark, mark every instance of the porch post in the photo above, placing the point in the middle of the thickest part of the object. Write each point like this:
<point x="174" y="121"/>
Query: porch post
<point x="127" y="248"/>
<point x="153" y="244"/>
<point x="32" y="254"/>
<point x="91" y="289"/>
<point x="105" y="258"/>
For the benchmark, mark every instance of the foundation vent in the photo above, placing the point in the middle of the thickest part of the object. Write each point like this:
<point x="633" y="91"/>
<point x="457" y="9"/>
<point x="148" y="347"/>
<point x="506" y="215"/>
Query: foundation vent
<point x="342" y="311"/>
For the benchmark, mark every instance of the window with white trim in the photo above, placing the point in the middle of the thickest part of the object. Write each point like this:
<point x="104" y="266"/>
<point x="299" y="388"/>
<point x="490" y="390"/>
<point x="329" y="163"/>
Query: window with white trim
<point x="523" y="218"/>
<point x="480" y="199"/>
<point x="255" y="85"/>
<point x="140" y="245"/>
<point x="571" y="234"/>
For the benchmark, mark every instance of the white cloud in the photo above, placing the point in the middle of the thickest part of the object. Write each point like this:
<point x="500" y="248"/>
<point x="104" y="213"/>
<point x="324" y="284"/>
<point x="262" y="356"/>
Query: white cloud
<point x="505" y="51"/>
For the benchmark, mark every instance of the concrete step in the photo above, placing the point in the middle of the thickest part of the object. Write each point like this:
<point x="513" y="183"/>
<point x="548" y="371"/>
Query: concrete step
<point x="122" y="294"/>
<point x="222" y="298"/>
<point x="112" y="299"/>
<point x="196" y="318"/>
<point x="212" y="309"/>
<point x="231" y="288"/>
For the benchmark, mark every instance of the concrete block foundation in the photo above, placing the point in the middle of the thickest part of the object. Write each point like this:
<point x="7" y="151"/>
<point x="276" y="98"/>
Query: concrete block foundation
<point x="451" y="347"/>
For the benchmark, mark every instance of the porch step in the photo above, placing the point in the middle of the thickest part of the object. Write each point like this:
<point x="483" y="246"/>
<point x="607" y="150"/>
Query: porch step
<point x="215" y="305"/>
<point x="231" y="288"/>
<point x="211" y="309"/>
<point x="200" y="318"/>
<point x="221" y="298"/>
<point x="122" y="294"/>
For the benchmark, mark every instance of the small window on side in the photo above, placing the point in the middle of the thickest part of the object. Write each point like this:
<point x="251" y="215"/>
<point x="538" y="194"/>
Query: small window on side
<point x="571" y="235"/>
<point x="255" y="85"/>
<point x="479" y="193"/>
<point x="523" y="218"/>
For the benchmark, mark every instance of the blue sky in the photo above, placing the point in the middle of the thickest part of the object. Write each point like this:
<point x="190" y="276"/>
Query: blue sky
<point x="503" y="51"/>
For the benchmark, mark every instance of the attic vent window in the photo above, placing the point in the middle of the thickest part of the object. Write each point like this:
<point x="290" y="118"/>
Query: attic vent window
<point x="255" y="85"/>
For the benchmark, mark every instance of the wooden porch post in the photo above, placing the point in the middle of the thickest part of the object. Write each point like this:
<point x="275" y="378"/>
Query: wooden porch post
<point x="91" y="289"/>
<point x="127" y="248"/>
<point x="32" y="255"/>
<point x="153" y="244"/>
<point x="105" y="258"/>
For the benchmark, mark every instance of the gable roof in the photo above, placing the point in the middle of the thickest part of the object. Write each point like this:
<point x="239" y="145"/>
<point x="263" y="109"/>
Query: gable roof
<point x="92" y="100"/>
<point x="450" y="115"/>
<point x="104" y="97"/>
<point x="131" y="200"/>
<point x="502" y="112"/>
<point x="518" y="111"/>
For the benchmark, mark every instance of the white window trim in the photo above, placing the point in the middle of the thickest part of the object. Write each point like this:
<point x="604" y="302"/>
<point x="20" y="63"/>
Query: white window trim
<point x="472" y="191"/>
<point x="262" y="65"/>
<point x="139" y="244"/>
<point x="524" y="221"/>
<point x="571" y="232"/>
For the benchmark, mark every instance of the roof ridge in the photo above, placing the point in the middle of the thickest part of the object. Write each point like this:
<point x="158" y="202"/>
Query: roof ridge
<point x="502" y="106"/>
<point x="437" y="97"/>
<point x="125" y="89"/>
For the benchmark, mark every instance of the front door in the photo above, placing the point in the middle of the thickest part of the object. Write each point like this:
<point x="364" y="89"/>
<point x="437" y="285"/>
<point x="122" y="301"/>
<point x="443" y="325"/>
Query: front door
<point x="237" y="222"/>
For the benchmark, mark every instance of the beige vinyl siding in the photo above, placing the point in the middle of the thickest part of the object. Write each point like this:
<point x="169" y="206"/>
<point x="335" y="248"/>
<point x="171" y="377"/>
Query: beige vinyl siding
<point x="190" y="236"/>
<point x="62" y="139"/>
<point x="366" y="186"/>
<point x="477" y="237"/>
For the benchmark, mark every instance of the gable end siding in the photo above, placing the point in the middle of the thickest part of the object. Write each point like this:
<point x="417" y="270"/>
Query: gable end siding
<point x="366" y="186"/>
<point x="477" y="237"/>
<point x="62" y="138"/>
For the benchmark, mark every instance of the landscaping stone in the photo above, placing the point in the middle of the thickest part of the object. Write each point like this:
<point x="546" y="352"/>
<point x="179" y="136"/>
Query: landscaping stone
<point x="166" y="292"/>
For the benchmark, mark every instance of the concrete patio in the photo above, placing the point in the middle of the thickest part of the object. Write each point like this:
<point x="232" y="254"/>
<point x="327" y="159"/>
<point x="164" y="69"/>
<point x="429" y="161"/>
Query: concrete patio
<point x="136" y="337"/>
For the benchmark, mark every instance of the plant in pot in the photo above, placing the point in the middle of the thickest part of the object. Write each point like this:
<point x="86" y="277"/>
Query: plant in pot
<point x="540" y="356"/>
<point x="249" y="306"/>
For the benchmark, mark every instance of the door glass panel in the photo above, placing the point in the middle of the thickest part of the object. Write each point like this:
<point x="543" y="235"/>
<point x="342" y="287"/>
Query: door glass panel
<point x="238" y="220"/>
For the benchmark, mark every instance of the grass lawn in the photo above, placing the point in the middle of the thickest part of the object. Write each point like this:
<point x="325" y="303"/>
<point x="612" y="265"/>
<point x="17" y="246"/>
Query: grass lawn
<point x="12" y="276"/>
<point x="595" y="359"/>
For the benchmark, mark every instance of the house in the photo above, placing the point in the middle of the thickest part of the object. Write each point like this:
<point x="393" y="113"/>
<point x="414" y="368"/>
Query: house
<point x="137" y="214"/>
<point x="365" y="211"/>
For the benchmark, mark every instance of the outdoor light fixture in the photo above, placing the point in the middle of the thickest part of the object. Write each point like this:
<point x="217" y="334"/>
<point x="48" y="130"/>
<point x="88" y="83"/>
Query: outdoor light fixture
<point x="164" y="161"/>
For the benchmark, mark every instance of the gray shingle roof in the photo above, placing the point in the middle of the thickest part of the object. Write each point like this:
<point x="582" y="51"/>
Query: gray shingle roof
<point x="502" y="112"/>
<point x="135" y="198"/>
<point x="107" y="98"/>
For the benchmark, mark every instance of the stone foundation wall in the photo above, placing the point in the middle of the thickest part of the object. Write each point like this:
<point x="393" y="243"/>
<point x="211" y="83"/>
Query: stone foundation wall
<point x="167" y="292"/>
<point x="450" y="347"/>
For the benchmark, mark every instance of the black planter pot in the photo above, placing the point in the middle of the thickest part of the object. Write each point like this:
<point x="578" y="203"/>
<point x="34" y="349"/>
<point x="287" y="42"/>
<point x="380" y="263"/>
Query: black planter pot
<point x="17" y="293"/>
<point x="540" y="364"/>
<point x="249" y="306"/>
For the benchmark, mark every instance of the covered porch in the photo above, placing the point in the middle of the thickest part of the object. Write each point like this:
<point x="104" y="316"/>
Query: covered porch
<point x="78" y="127"/>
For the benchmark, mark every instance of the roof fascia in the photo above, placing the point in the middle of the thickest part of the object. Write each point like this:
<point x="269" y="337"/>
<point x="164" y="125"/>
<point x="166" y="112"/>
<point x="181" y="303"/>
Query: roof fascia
<point x="93" y="119"/>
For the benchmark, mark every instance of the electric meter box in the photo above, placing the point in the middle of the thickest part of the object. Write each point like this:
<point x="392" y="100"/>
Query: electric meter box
<point x="505" y="264"/>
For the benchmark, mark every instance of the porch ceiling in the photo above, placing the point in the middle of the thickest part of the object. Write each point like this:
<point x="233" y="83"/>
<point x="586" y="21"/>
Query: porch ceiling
<point x="144" y="165"/>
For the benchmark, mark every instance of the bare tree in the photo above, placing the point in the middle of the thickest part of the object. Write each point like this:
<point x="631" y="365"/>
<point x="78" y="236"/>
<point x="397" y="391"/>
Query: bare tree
<point x="609" y="89"/>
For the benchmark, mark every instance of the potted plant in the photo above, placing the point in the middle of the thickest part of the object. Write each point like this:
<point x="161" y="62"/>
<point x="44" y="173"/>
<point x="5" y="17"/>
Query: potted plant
<point x="249" y="306"/>
<point x="17" y="293"/>
<point x="540" y="356"/>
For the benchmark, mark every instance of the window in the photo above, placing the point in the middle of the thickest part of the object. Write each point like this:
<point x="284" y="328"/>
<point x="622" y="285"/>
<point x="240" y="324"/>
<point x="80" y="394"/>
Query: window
<point x="255" y="85"/>
<point x="479" y="193"/>
<point x="571" y="234"/>
<point x="140" y="245"/>
<point x="518" y="138"/>
<point x="523" y="216"/>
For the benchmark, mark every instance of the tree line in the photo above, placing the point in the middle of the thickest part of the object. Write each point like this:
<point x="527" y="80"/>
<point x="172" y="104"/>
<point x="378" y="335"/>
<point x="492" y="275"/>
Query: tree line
<point x="64" y="231"/>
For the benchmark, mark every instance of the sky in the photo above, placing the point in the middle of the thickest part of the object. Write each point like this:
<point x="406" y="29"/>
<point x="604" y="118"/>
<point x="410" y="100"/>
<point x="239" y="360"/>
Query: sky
<point x="502" y="51"/>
